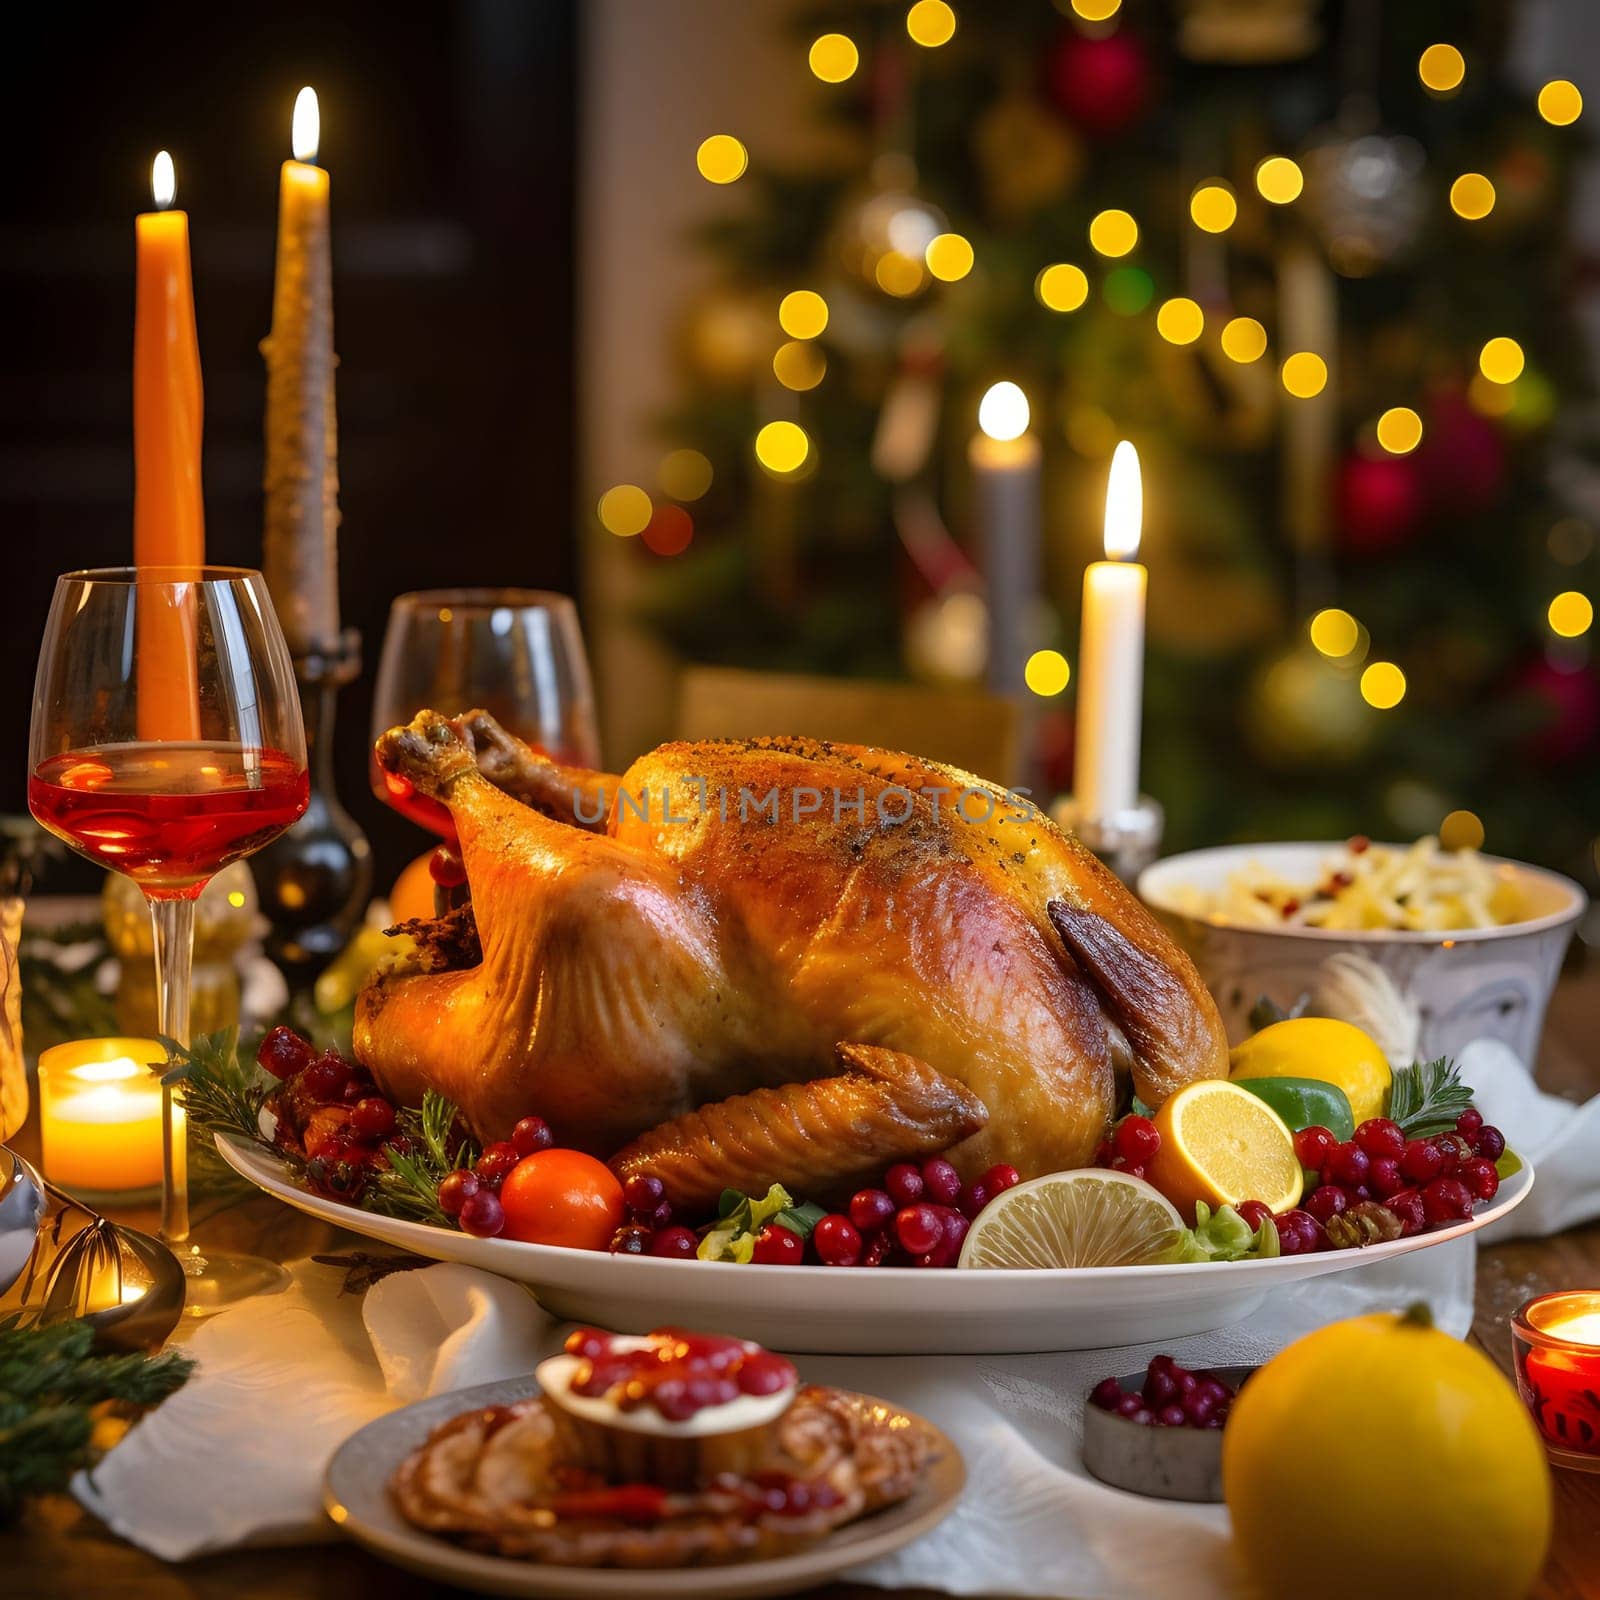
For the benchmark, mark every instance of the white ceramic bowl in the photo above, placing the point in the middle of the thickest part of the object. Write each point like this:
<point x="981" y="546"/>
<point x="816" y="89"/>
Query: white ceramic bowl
<point x="1478" y="983"/>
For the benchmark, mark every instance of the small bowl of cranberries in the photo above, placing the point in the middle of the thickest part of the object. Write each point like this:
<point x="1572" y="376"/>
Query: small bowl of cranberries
<point x="1159" y="1432"/>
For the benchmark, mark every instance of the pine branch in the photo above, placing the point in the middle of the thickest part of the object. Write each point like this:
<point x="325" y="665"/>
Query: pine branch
<point x="1427" y="1097"/>
<point x="219" y="1093"/>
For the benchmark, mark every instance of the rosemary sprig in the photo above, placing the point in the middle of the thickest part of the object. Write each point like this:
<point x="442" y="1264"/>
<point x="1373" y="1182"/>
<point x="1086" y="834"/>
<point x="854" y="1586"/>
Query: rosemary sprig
<point x="1427" y="1097"/>
<point x="217" y="1091"/>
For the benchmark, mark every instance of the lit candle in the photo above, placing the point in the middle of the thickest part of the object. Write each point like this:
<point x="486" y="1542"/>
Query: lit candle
<point x="300" y="546"/>
<point x="1005" y="467"/>
<point x="168" y="516"/>
<point x="100" y="1115"/>
<point x="1111" y="653"/>
<point x="1556" y="1345"/>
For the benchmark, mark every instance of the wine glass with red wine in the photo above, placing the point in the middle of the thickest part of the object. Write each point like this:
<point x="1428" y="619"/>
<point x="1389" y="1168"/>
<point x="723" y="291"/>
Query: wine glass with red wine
<point x="166" y="742"/>
<point x="515" y="653"/>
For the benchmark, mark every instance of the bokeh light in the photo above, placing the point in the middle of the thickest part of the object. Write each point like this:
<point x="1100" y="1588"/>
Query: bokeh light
<point x="1244" y="340"/>
<point x="1096" y="10"/>
<point x="1003" y="412"/>
<point x="1560" y="102"/>
<point x="799" y="364"/>
<point x="1128" y="290"/>
<point x="1335" y="633"/>
<point x="931" y="23"/>
<point x="1305" y="374"/>
<point x="1501" y="360"/>
<point x="1213" y="208"/>
<point x="721" y="158"/>
<point x="1490" y="399"/>
<point x="1061" y="286"/>
<point x="1472" y="196"/>
<point x="1441" y="68"/>
<point x="1180" y="321"/>
<point x="1279" y="180"/>
<point x="685" y="474"/>
<point x="803" y="314"/>
<point x="1461" y="830"/>
<point x="669" y="531"/>
<point x="1399" y="430"/>
<point x="897" y="274"/>
<point x="782" y="447"/>
<point x="834" y="57"/>
<point x="624" y="510"/>
<point x="1113" y="233"/>
<point x="949" y="257"/>
<point x="1383" y="685"/>
<point x="1571" y="614"/>
<point x="1047" y="672"/>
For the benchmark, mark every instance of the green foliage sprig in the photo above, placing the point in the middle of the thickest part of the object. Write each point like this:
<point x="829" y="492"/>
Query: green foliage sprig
<point x="1427" y="1097"/>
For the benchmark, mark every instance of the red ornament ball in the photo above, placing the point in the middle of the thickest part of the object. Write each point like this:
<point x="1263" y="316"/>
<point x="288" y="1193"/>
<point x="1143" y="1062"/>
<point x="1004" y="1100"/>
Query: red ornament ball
<point x="1563" y="711"/>
<point x="1379" y="501"/>
<point x="1102" y="84"/>
<point x="1462" y="458"/>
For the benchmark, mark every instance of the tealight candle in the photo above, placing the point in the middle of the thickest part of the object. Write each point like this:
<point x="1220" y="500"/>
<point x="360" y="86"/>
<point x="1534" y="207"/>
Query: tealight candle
<point x="1556" y="1346"/>
<point x="100" y="1115"/>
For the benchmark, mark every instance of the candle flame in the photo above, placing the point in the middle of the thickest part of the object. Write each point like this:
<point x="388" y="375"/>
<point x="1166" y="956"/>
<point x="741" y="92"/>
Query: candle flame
<point x="1124" y="504"/>
<point x="1581" y="1329"/>
<point x="307" y="130"/>
<point x="163" y="180"/>
<point x="1003" y="411"/>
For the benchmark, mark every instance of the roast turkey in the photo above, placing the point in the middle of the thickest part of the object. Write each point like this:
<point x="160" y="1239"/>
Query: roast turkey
<point x="723" y="916"/>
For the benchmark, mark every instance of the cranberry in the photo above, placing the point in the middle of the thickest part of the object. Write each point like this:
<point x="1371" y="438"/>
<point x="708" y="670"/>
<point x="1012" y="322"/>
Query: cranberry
<point x="631" y="1239"/>
<point x="1446" y="1200"/>
<point x="1422" y="1162"/>
<point x="1348" y="1164"/>
<point x="1103" y="1152"/>
<point x="1313" y="1146"/>
<point x="1480" y="1177"/>
<point x="837" y="1241"/>
<point x="870" y="1210"/>
<point x="356" y="1090"/>
<point x="372" y="1119"/>
<point x="1160" y="1387"/>
<point x="1491" y="1142"/>
<point x="531" y="1135"/>
<point x="1408" y="1207"/>
<point x="955" y="1232"/>
<point x="1385" y="1178"/>
<point x="1453" y="1149"/>
<point x="1254" y="1213"/>
<point x="494" y="1165"/>
<point x="904" y="1183"/>
<point x="643" y="1193"/>
<point x="1136" y="1140"/>
<point x="1299" y="1233"/>
<point x="455" y="1189"/>
<point x="1119" y="1165"/>
<point x="1107" y="1394"/>
<point x="941" y="1183"/>
<point x="1469" y="1122"/>
<point x="1198" y="1405"/>
<point x="1129" y="1404"/>
<point x="1000" y="1177"/>
<point x="1326" y="1202"/>
<point x="1378" y="1136"/>
<point x="918" y="1229"/>
<point x="974" y="1198"/>
<point x="482" y="1215"/>
<point x="676" y="1244"/>
<point x="765" y="1373"/>
<point x="778" y="1247"/>
<point x="333" y="1175"/>
<point x="283" y="1052"/>
<point x="325" y="1078"/>
<point x="1172" y="1416"/>
<point x="446" y="868"/>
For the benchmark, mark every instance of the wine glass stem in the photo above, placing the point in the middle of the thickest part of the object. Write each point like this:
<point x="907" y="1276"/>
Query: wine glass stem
<point x="173" y="921"/>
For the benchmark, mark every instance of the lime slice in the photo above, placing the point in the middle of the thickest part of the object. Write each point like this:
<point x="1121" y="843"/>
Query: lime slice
<point x="1088" y="1218"/>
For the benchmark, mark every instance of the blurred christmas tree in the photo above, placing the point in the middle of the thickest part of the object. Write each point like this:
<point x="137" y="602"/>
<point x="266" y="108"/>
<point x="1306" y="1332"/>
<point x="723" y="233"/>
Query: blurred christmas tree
<point x="1312" y="259"/>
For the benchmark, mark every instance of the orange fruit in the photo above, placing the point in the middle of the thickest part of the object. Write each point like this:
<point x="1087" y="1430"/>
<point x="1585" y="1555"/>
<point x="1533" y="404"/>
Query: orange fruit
<point x="1222" y="1144"/>
<point x="412" y="895"/>
<point x="562" y="1197"/>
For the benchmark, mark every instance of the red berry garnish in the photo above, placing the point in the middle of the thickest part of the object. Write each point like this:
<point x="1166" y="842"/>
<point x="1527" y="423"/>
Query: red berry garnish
<point x="531" y="1135"/>
<point x="1469" y="1121"/>
<point x="1491" y="1142"/>
<point x="677" y="1244"/>
<point x="941" y="1183"/>
<point x="955" y="1231"/>
<point x="356" y="1090"/>
<point x="1107" y="1394"/>
<point x="1103" y="1152"/>
<point x="918" y="1229"/>
<point x="1378" y="1136"/>
<point x="1480" y="1177"/>
<point x="1136" y="1140"/>
<point x="1313" y="1146"/>
<point x="1299" y="1233"/>
<point x="283" y="1052"/>
<point x="494" y="1165"/>
<point x="1119" y="1165"/>
<point x="482" y="1215"/>
<point x="1000" y="1177"/>
<point x="837" y="1241"/>
<point x="372" y="1119"/>
<point x="1130" y="1405"/>
<point x="1172" y="1416"/>
<point x="642" y="1193"/>
<point x="1446" y="1200"/>
<point x="1408" y="1207"/>
<point x="1198" y="1406"/>
<point x="324" y="1079"/>
<point x="1254" y="1213"/>
<point x="1347" y="1164"/>
<point x="871" y="1209"/>
<point x="1385" y="1178"/>
<point x="1454" y="1149"/>
<point x="1160" y="1387"/>
<point x="446" y="868"/>
<point x="1326" y="1202"/>
<point x="1422" y="1162"/>
<point x="455" y="1189"/>
<point x="974" y="1198"/>
<point x="904" y="1183"/>
<point x="778" y="1247"/>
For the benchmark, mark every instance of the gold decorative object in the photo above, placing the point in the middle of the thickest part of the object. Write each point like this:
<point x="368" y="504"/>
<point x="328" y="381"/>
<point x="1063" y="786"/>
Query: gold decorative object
<point x="13" y="1077"/>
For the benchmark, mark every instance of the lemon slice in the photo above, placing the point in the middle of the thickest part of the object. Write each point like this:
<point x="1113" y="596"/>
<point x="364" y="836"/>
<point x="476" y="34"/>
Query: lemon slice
<point x="1089" y="1218"/>
<point x="1222" y="1144"/>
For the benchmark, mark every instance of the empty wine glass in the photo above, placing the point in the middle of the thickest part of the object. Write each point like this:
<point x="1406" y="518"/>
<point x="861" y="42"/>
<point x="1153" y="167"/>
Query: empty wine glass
<point x="166" y="742"/>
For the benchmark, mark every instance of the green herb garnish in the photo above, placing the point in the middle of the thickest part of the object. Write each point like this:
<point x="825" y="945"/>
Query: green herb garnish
<point x="1428" y="1097"/>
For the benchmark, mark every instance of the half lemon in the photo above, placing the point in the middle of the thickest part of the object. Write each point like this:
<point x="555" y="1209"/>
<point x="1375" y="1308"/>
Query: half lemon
<point x="1222" y="1144"/>
<point x="1089" y="1218"/>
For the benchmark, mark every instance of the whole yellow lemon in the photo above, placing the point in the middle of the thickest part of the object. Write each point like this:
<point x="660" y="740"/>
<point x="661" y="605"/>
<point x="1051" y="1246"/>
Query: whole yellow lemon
<point x="1379" y="1457"/>
<point x="412" y="895"/>
<point x="1322" y="1048"/>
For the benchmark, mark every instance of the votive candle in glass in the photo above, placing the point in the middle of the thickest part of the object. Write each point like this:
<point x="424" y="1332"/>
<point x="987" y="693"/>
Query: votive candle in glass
<point x="100" y="1115"/>
<point x="1555" y="1341"/>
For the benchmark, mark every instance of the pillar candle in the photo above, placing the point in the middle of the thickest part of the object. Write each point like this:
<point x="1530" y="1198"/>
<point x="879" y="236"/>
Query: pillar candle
<point x="1111" y="653"/>
<point x="168" y="516"/>
<point x="1005" y="461"/>
<point x="300" y="554"/>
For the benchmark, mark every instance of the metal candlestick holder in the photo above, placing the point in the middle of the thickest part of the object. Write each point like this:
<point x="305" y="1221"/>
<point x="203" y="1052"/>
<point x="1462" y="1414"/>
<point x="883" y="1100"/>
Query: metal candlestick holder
<point x="1127" y="840"/>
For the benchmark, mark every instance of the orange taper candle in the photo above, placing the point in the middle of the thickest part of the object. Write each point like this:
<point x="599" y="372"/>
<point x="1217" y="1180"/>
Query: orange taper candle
<point x="168" y="518"/>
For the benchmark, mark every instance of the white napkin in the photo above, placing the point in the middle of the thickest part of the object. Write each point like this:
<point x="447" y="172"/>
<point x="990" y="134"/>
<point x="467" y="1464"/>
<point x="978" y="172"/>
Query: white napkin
<point x="236" y="1457"/>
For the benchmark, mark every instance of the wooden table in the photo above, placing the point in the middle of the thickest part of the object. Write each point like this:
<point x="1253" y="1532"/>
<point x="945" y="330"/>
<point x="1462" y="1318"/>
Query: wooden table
<point x="61" y="1551"/>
